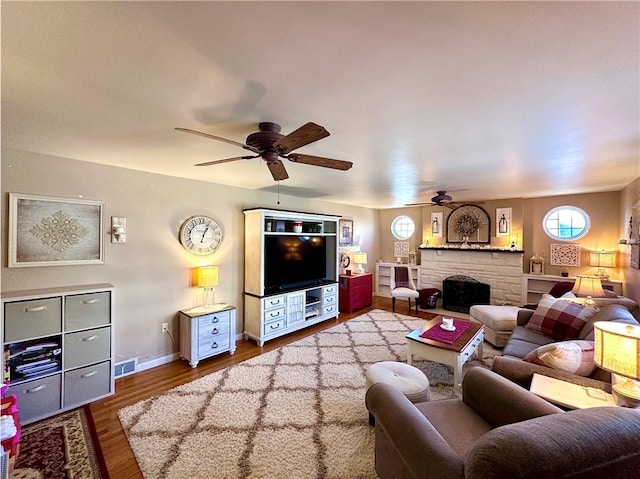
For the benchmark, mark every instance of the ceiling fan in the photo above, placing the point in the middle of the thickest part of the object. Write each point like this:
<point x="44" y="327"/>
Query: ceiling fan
<point x="271" y="145"/>
<point x="443" y="199"/>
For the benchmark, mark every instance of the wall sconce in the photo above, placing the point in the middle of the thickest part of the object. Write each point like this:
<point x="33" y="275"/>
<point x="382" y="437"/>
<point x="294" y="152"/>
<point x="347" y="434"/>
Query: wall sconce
<point x="207" y="279"/>
<point x="601" y="260"/>
<point x="118" y="229"/>
<point x="360" y="259"/>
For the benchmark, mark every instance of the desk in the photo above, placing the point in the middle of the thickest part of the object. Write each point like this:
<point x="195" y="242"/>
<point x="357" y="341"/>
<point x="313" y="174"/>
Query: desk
<point x="568" y="394"/>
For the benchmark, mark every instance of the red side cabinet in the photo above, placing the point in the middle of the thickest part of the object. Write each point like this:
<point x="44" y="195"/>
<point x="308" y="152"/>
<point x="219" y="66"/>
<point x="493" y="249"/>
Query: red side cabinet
<point x="356" y="291"/>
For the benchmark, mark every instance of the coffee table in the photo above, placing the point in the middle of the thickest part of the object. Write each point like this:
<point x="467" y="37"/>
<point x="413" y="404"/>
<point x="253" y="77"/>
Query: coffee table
<point x="454" y="355"/>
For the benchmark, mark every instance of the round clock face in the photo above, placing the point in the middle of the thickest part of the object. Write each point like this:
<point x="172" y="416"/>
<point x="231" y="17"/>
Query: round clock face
<point x="200" y="235"/>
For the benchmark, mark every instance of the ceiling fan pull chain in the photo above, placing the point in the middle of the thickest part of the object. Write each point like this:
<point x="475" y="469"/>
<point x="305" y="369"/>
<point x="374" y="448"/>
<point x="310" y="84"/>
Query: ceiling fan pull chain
<point x="278" y="191"/>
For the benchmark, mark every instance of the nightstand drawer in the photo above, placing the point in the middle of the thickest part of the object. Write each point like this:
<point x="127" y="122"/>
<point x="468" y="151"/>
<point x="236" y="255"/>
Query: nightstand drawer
<point x="32" y="319"/>
<point x="87" y="347"/>
<point x="87" y="310"/>
<point x="212" y="345"/>
<point x="213" y="330"/>
<point x="217" y="319"/>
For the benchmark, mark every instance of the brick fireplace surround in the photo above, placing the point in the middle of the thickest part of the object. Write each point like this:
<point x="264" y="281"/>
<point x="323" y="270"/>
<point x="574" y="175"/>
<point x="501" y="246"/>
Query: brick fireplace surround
<point x="501" y="269"/>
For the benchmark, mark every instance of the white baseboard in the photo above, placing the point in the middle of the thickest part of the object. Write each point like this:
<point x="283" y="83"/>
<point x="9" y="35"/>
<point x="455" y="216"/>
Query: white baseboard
<point x="157" y="362"/>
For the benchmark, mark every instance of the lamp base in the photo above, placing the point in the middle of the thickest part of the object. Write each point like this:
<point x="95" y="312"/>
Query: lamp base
<point x="602" y="274"/>
<point x="209" y="297"/>
<point x="626" y="392"/>
<point x="359" y="269"/>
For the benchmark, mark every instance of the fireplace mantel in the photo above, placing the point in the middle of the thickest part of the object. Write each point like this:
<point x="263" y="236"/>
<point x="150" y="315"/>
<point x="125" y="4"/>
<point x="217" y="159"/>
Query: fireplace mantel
<point x="499" y="267"/>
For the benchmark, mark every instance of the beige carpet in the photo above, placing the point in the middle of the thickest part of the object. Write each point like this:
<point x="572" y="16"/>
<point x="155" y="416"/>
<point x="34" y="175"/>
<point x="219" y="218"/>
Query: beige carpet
<point x="295" y="412"/>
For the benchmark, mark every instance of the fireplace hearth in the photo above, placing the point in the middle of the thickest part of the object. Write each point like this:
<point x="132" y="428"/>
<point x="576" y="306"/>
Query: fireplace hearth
<point x="460" y="292"/>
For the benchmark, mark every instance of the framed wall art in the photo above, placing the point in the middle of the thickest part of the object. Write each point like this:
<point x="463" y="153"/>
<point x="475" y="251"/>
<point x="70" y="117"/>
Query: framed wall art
<point x="503" y="221"/>
<point x="346" y="232"/>
<point x="436" y="225"/>
<point x="565" y="255"/>
<point x="48" y="231"/>
<point x="468" y="224"/>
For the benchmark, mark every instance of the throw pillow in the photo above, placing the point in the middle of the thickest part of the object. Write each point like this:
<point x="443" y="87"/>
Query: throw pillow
<point x="559" y="319"/>
<point x="574" y="357"/>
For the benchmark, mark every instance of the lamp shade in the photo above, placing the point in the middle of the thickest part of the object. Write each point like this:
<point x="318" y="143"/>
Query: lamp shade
<point x="588" y="286"/>
<point x="360" y="258"/>
<point x="207" y="276"/>
<point x="603" y="259"/>
<point x="617" y="348"/>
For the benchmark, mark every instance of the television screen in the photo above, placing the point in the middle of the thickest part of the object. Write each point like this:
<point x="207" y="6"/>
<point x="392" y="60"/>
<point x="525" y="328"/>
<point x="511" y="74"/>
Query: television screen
<point x="294" y="261"/>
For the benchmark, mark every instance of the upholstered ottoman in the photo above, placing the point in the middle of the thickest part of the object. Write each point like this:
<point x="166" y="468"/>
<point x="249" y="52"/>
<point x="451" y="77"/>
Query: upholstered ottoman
<point x="409" y="380"/>
<point x="499" y="321"/>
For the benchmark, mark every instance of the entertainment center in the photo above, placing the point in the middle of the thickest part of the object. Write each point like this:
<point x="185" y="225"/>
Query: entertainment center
<point x="290" y="271"/>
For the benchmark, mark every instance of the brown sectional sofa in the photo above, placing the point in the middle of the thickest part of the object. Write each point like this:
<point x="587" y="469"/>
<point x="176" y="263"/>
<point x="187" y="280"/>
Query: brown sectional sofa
<point x="499" y="430"/>
<point x="523" y="341"/>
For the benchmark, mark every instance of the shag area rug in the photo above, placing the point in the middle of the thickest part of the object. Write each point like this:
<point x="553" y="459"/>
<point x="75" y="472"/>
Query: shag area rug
<point x="295" y="412"/>
<point x="60" y="447"/>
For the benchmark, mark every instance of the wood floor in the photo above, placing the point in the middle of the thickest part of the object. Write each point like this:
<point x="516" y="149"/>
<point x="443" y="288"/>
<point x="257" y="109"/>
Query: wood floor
<point x="118" y="456"/>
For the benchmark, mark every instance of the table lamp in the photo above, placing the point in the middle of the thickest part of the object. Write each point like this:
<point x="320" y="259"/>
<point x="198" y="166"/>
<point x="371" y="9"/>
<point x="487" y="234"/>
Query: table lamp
<point x="617" y="350"/>
<point x="360" y="259"/>
<point x="588" y="286"/>
<point x="602" y="259"/>
<point x="207" y="279"/>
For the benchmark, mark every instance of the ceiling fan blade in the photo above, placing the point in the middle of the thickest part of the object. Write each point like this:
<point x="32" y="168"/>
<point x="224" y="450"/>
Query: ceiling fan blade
<point x="277" y="170"/>
<point x="226" y="160"/>
<point x="307" y="133"/>
<point x="420" y="204"/>
<point x="320" y="161"/>
<point x="219" y="138"/>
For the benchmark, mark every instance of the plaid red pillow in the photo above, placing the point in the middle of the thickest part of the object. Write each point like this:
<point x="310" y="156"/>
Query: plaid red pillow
<point x="559" y="319"/>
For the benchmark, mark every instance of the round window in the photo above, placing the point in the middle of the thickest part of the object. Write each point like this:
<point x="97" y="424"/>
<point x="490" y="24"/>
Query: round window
<point x="402" y="227"/>
<point x="566" y="223"/>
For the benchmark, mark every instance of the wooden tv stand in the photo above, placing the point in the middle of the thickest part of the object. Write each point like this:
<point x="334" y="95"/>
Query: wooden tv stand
<point x="268" y="315"/>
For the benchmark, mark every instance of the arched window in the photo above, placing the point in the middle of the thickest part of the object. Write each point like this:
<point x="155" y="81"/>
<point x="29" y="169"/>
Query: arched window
<point x="402" y="227"/>
<point x="566" y="223"/>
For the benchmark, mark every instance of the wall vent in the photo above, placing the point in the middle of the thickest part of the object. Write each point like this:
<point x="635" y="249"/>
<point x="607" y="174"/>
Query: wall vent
<point x="124" y="368"/>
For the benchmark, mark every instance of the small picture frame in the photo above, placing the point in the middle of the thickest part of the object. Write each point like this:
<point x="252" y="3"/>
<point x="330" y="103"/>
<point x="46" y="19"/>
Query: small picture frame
<point x="437" y="225"/>
<point x="346" y="232"/>
<point x="49" y="231"/>
<point x="503" y="221"/>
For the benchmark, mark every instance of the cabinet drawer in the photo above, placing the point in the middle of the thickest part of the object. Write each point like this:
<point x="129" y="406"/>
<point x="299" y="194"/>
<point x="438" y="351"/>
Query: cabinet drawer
<point x="333" y="289"/>
<point x="84" y="384"/>
<point x="87" y="310"/>
<point x="327" y="300"/>
<point x="86" y="347"/>
<point x="32" y="319"/>
<point x="38" y="398"/>
<point x="331" y="309"/>
<point x="274" y="315"/>
<point x="270" y="328"/>
<point x="209" y="346"/>
<point x="274" y="302"/>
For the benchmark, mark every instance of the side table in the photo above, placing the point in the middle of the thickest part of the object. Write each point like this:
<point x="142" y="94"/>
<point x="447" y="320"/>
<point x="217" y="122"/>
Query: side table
<point x="356" y="291"/>
<point x="569" y="395"/>
<point x="207" y="331"/>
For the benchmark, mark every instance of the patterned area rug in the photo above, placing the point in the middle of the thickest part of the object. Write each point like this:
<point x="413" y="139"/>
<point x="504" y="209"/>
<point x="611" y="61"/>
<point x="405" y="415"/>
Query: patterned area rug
<point x="295" y="412"/>
<point x="60" y="447"/>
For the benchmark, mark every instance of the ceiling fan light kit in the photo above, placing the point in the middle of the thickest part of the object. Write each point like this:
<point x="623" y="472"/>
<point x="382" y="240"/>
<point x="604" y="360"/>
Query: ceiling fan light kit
<point x="271" y="145"/>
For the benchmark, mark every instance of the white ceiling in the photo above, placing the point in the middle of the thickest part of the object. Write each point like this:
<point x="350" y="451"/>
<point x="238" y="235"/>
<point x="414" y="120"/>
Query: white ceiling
<point x="484" y="99"/>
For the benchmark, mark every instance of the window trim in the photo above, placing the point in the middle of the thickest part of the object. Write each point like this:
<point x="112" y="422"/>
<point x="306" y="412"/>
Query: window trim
<point x="397" y="220"/>
<point x="573" y="209"/>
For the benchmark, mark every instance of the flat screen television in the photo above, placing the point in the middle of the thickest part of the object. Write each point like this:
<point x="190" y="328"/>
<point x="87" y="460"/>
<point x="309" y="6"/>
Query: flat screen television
<point x="294" y="262"/>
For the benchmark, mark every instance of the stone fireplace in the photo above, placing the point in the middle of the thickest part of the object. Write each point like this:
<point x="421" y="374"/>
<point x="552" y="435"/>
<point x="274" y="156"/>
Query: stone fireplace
<point x="499" y="268"/>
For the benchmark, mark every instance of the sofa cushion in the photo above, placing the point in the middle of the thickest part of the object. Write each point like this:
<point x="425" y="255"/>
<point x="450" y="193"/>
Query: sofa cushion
<point x="609" y="312"/>
<point x="571" y="356"/>
<point x="559" y="319"/>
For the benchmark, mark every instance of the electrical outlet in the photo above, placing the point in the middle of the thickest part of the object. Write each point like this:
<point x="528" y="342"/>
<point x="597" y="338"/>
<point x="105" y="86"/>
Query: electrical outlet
<point x="165" y="328"/>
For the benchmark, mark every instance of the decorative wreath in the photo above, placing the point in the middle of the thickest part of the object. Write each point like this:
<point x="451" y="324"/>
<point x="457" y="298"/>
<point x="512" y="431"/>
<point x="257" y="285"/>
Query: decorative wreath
<point x="467" y="225"/>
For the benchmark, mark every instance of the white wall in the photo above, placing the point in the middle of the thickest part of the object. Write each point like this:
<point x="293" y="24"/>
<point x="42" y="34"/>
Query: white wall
<point x="151" y="272"/>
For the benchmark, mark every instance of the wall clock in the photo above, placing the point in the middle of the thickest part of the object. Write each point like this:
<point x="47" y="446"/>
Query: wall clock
<point x="200" y="235"/>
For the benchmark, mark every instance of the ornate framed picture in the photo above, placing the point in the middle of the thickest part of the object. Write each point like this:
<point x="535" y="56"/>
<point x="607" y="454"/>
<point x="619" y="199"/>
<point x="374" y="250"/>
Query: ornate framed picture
<point x="48" y="231"/>
<point x="346" y="232"/>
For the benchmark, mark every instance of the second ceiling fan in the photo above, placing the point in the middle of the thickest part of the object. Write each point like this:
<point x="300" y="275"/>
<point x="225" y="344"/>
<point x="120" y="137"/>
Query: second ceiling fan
<point x="443" y="199"/>
<point x="270" y="145"/>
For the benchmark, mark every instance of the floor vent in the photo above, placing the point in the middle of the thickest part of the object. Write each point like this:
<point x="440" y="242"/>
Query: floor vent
<point x="124" y="368"/>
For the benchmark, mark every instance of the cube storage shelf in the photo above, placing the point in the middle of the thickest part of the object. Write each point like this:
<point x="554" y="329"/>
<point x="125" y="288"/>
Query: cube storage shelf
<point x="58" y="345"/>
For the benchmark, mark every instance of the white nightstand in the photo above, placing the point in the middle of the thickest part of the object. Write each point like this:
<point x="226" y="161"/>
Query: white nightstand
<point x="207" y="331"/>
<point x="568" y="394"/>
